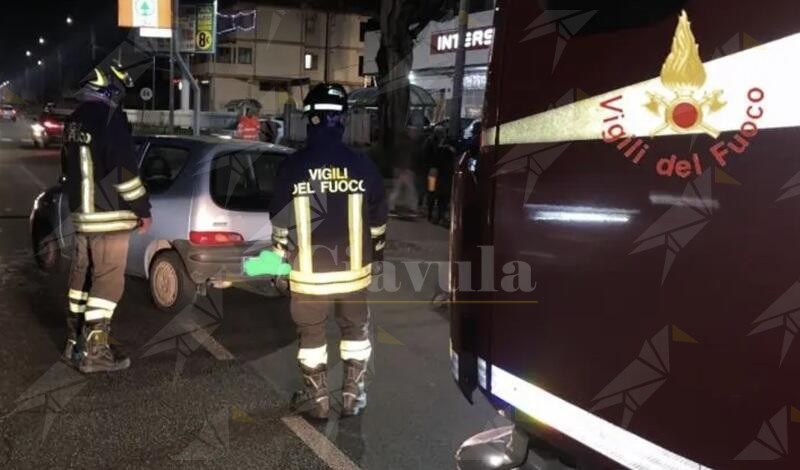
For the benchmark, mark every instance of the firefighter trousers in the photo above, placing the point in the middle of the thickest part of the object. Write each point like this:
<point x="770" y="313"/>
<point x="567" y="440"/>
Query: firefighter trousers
<point x="97" y="277"/>
<point x="310" y="313"/>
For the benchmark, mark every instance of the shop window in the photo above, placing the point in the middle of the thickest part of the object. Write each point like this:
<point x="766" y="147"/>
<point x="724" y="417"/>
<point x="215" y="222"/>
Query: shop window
<point x="224" y="55"/>
<point x="245" y="55"/>
<point x="311" y="23"/>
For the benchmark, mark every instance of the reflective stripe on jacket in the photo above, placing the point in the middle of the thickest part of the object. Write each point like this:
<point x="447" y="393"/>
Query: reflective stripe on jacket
<point x="101" y="172"/>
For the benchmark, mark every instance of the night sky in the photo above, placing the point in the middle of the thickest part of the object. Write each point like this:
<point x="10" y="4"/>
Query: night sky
<point x="22" y="22"/>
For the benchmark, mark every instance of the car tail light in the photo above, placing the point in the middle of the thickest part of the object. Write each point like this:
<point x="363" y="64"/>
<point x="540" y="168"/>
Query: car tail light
<point x="215" y="238"/>
<point x="51" y="125"/>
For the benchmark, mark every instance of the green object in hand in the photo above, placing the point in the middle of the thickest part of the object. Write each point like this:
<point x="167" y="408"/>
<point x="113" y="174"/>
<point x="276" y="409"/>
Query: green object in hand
<point x="267" y="263"/>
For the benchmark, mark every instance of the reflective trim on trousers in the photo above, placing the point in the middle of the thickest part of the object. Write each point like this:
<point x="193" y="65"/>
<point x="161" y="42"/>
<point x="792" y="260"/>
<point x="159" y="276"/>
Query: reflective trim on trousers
<point x="78" y="295"/>
<point x="98" y="314"/>
<point x="380" y="245"/>
<point x="97" y="302"/>
<point x="329" y="289"/>
<point x="313" y="357"/>
<point x="355" y="350"/>
<point x="77" y="308"/>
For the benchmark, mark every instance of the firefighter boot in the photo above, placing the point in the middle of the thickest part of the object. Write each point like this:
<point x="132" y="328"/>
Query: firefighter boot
<point x="74" y="327"/>
<point x="354" y="392"/>
<point x="97" y="355"/>
<point x="313" y="400"/>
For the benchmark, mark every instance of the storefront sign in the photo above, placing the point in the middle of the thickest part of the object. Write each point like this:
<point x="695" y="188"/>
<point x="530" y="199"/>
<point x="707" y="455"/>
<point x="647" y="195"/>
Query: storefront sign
<point x="477" y="38"/>
<point x="144" y="13"/>
<point x="206" y="37"/>
<point x="187" y="28"/>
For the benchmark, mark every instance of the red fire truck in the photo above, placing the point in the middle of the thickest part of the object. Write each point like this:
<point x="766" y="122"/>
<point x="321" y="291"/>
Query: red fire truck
<point x="631" y="225"/>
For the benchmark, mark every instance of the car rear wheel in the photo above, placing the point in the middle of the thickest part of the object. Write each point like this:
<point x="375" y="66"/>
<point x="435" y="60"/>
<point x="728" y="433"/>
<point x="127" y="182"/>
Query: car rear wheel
<point x="170" y="285"/>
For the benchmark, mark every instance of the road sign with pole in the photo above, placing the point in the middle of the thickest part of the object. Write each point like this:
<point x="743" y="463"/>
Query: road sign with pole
<point x="146" y="94"/>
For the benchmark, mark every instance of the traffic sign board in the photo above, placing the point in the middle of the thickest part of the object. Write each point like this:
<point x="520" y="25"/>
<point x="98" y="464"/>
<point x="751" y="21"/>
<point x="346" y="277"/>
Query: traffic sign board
<point x="146" y="94"/>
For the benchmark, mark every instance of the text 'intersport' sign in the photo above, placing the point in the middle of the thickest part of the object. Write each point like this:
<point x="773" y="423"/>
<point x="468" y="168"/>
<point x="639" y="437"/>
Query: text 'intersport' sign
<point x="477" y="38"/>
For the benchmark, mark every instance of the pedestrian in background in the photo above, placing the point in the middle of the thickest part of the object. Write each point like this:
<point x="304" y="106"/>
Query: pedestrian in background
<point x="446" y="154"/>
<point x="249" y="127"/>
<point x="403" y="199"/>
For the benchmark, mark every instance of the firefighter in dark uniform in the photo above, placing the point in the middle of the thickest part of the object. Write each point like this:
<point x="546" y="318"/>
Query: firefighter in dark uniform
<point x="329" y="216"/>
<point x="107" y="201"/>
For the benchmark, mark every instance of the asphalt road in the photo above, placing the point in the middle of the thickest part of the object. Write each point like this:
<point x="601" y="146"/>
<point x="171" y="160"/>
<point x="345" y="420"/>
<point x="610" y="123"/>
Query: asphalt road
<point x="209" y="387"/>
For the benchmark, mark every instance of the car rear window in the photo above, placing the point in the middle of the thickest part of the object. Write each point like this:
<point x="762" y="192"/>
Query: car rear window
<point x="245" y="180"/>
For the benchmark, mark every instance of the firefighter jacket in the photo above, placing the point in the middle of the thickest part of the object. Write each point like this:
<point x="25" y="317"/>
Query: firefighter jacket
<point x="329" y="216"/>
<point x="100" y="171"/>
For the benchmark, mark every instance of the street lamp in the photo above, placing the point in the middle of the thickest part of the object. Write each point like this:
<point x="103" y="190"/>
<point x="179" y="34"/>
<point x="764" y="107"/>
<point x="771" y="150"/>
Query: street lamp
<point x="27" y="53"/>
<point x="69" y="20"/>
<point x="40" y="62"/>
<point x="41" y="40"/>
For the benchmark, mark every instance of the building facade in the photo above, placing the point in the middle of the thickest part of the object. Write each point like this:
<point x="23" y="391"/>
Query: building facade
<point x="279" y="54"/>
<point x="434" y="60"/>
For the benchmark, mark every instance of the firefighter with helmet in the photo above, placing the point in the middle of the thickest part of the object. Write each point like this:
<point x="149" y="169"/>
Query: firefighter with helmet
<point x="329" y="215"/>
<point x="107" y="201"/>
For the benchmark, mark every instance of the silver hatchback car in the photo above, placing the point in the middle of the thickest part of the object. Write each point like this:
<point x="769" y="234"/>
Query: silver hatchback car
<point x="210" y="198"/>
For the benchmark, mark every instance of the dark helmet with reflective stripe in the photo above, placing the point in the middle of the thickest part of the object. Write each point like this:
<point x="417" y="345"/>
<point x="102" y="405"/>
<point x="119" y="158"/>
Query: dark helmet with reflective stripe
<point x="323" y="99"/>
<point x="110" y="84"/>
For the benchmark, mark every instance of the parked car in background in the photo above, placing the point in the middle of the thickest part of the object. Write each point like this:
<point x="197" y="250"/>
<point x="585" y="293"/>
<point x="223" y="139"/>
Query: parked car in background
<point x="48" y="130"/>
<point x="242" y="106"/>
<point x="210" y="198"/>
<point x="8" y="112"/>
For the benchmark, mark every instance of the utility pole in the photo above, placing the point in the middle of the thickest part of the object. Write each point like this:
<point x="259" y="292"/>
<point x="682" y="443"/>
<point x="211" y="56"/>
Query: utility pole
<point x="454" y="131"/>
<point x="172" y="48"/>
<point x="93" y="42"/>
<point x="153" y="101"/>
<point x="187" y="74"/>
<point x="327" y="39"/>
<point x="60" y="73"/>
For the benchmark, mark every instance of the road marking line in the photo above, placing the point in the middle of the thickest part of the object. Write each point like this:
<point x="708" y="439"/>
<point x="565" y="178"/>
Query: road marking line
<point x="319" y="444"/>
<point x="6" y="139"/>
<point x="33" y="177"/>
<point x="212" y="345"/>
